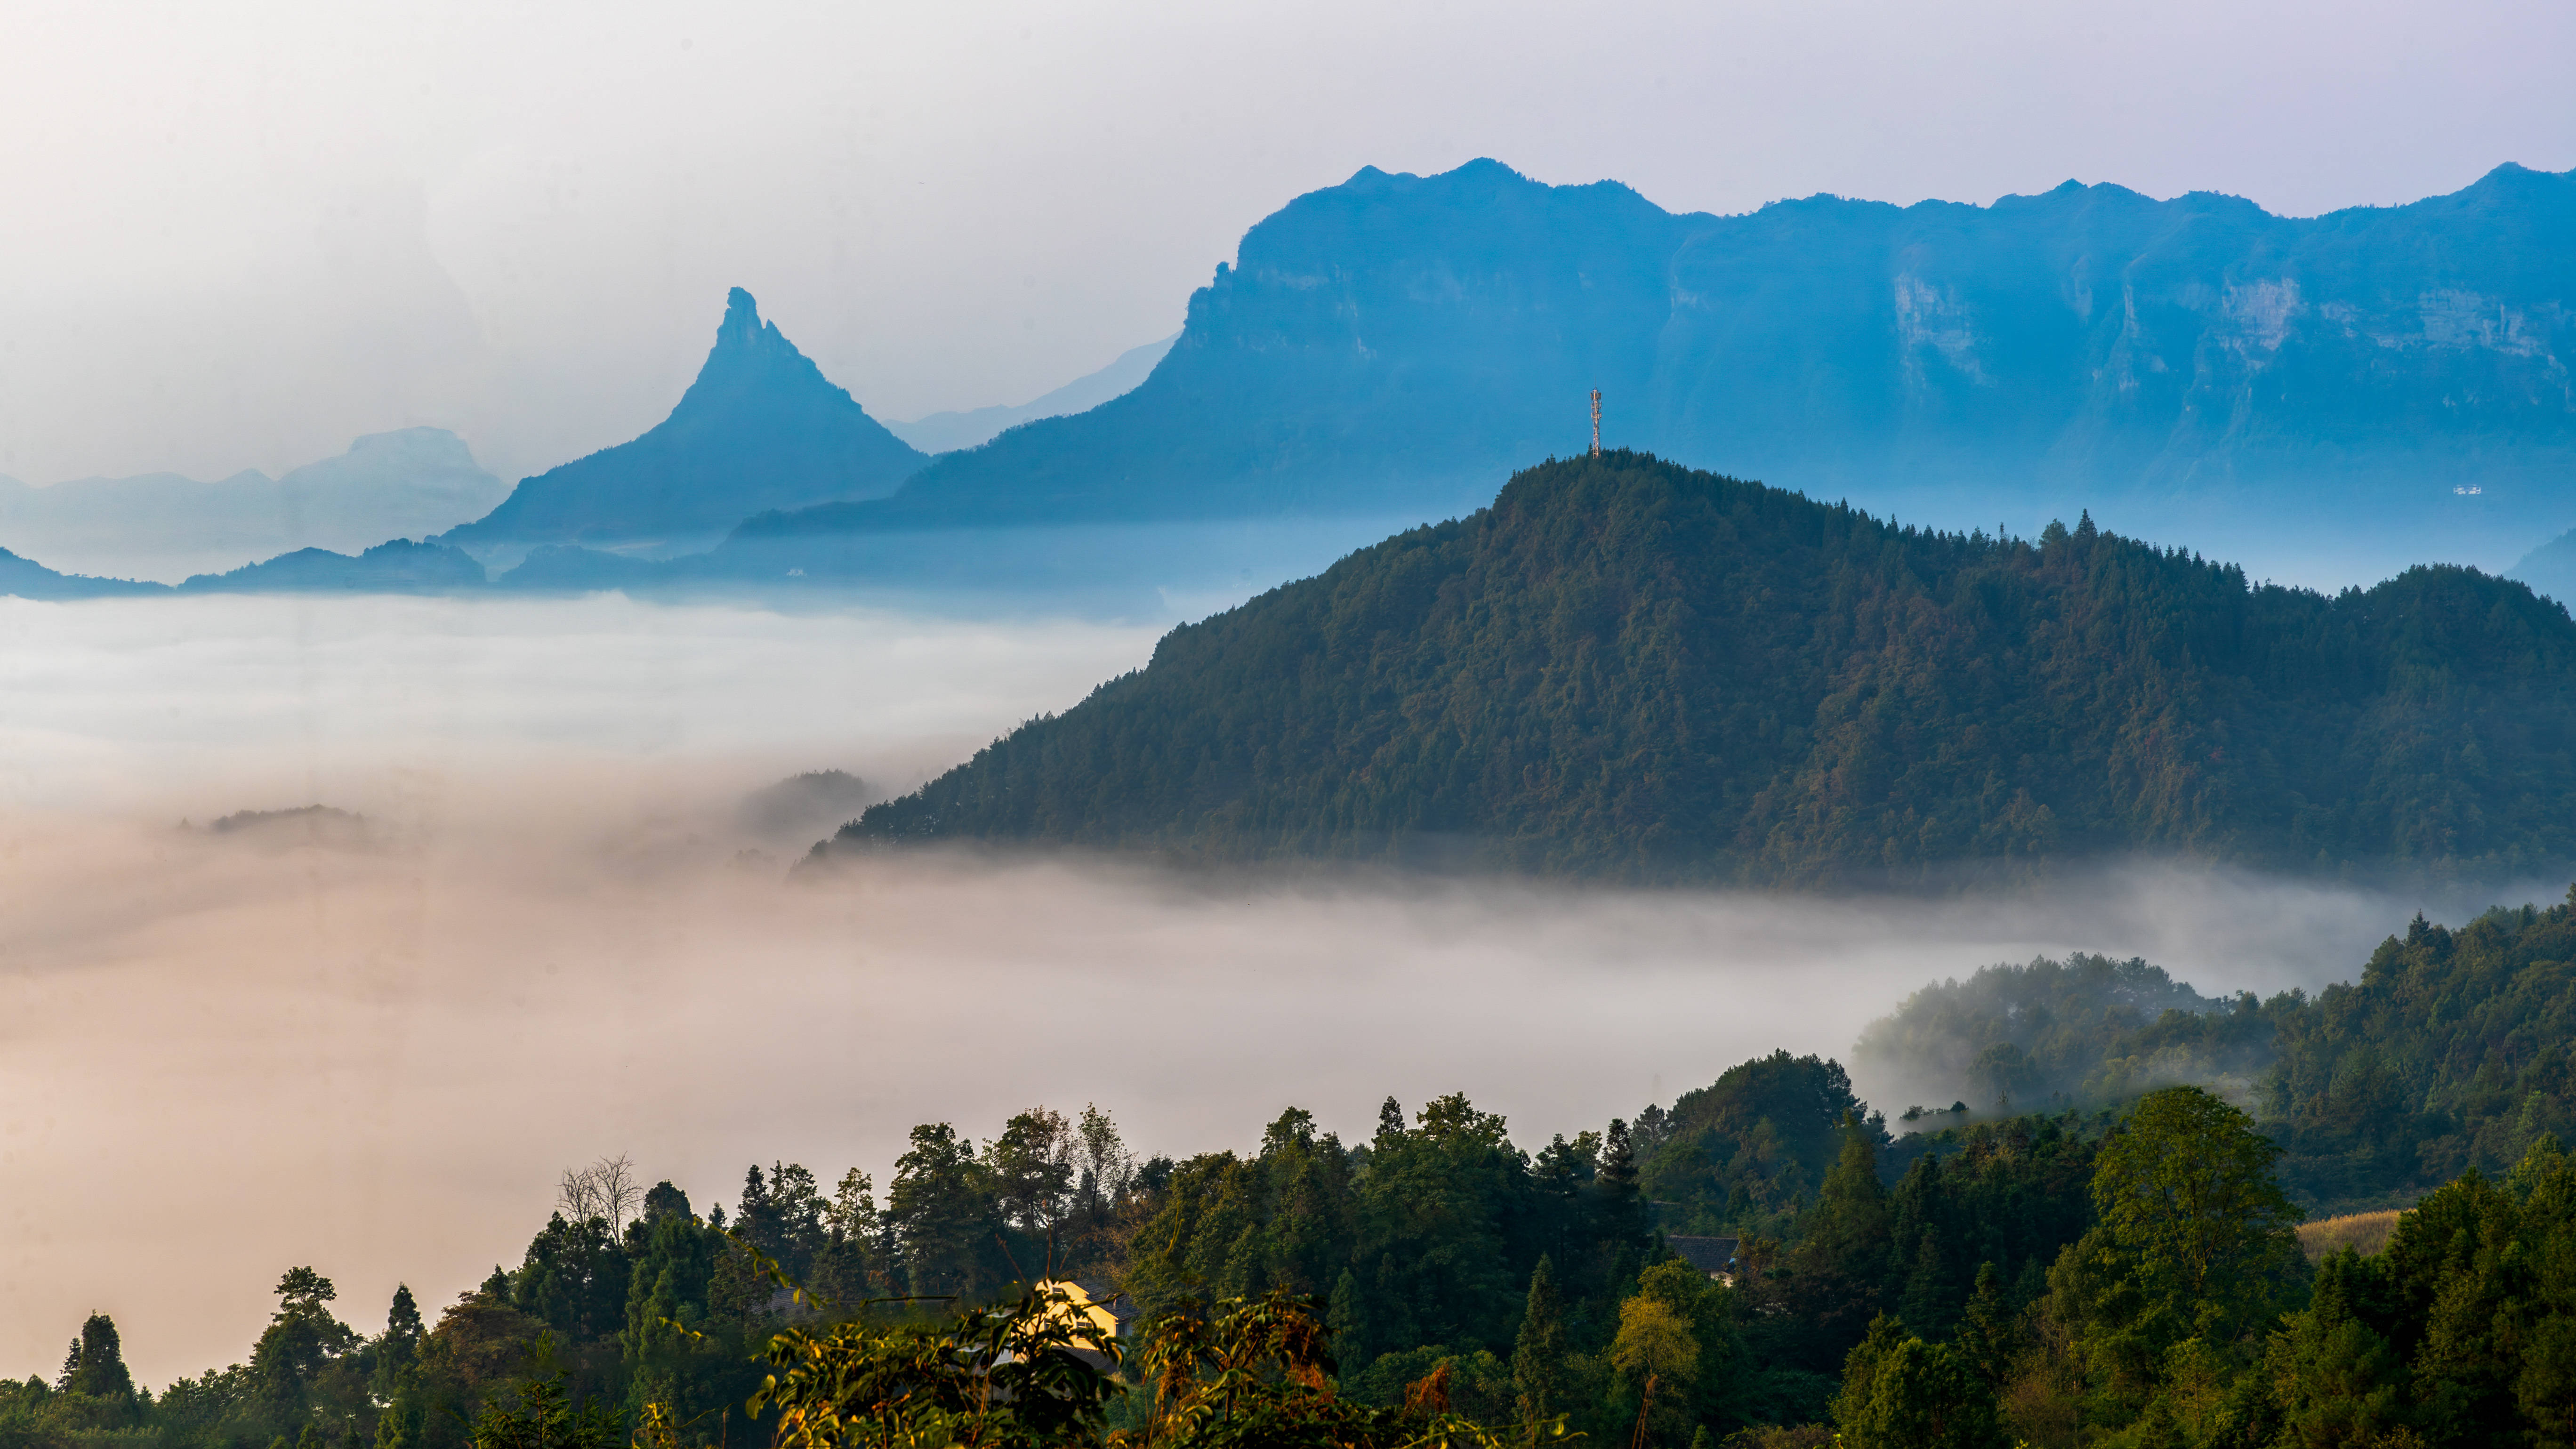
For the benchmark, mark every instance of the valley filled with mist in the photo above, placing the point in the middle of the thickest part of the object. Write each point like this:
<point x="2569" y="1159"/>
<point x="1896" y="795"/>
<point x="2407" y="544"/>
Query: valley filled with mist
<point x="553" y="932"/>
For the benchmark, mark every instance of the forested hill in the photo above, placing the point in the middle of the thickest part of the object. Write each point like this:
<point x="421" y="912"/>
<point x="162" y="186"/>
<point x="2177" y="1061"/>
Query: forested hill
<point x="1628" y="669"/>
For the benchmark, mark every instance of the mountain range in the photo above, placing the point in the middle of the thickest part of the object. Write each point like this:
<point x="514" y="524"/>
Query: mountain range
<point x="1628" y="669"/>
<point x="2329" y="398"/>
<point x="161" y="525"/>
<point x="2376" y="379"/>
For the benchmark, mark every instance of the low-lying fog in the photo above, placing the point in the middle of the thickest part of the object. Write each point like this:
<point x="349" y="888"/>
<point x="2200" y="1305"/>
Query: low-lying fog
<point x="557" y="934"/>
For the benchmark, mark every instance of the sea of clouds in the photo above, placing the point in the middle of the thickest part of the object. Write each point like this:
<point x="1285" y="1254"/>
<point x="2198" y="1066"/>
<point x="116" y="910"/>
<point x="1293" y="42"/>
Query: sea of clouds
<point x="554" y="936"/>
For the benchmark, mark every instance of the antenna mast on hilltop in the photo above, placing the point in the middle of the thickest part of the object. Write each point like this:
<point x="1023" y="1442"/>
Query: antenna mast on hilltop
<point x="1596" y="422"/>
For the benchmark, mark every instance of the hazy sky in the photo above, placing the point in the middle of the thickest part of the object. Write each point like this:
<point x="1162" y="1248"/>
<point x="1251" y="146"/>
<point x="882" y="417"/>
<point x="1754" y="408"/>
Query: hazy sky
<point x="239" y="235"/>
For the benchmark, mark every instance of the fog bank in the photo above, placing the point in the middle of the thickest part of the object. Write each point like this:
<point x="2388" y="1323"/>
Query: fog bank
<point x="224" y="1055"/>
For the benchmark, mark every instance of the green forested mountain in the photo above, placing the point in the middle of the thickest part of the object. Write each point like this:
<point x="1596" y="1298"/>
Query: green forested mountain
<point x="2451" y="1053"/>
<point x="1628" y="669"/>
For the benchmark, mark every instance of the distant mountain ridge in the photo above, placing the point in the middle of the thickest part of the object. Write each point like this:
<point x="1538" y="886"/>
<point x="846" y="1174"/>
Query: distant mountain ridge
<point x="1632" y="670"/>
<point x="1398" y="342"/>
<point x="950" y="431"/>
<point x="760" y="429"/>
<point x="400" y="566"/>
<point x="27" y="579"/>
<point x="406" y="483"/>
<point x="2373" y="388"/>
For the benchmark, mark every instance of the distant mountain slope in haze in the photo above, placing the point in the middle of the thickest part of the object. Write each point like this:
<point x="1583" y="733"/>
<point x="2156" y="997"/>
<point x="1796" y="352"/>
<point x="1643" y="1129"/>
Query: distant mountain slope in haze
<point x="2551" y="568"/>
<point x="401" y="484"/>
<point x="398" y="567"/>
<point x="1397" y="342"/>
<point x="947" y="432"/>
<point x="1632" y="670"/>
<point x="761" y="428"/>
<point x="27" y="579"/>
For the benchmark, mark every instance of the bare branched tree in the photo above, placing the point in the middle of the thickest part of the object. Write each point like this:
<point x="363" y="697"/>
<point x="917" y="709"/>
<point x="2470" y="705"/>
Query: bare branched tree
<point x="605" y="1189"/>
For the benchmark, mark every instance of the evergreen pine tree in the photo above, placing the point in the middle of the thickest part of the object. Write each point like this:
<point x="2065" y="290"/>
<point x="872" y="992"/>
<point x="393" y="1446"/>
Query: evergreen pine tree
<point x="400" y="1344"/>
<point x="100" y="1369"/>
<point x="1620" y="1221"/>
<point x="1849" y="1234"/>
<point x="1988" y="1337"/>
<point x="1925" y="1303"/>
<point x="402" y="1319"/>
<point x="1538" y="1357"/>
<point x="1619" y="1157"/>
<point x="1347" y="1317"/>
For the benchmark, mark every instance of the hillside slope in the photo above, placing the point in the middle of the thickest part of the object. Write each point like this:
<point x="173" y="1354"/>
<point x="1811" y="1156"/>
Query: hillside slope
<point x="25" y="578"/>
<point x="1624" y="668"/>
<point x="398" y="566"/>
<point x="761" y="428"/>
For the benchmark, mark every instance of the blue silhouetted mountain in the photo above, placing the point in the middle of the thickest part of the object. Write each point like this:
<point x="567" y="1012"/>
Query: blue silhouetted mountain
<point x="398" y="567"/>
<point x="760" y="429"/>
<point x="1396" y="343"/>
<point x="27" y="579"/>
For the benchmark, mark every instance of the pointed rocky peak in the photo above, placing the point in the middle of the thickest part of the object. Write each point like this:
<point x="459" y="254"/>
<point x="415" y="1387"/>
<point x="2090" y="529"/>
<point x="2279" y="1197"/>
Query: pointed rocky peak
<point x="742" y="326"/>
<point x="752" y="357"/>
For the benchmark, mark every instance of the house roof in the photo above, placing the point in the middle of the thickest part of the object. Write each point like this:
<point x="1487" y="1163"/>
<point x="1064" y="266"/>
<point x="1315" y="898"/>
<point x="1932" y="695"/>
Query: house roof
<point x="1709" y="1255"/>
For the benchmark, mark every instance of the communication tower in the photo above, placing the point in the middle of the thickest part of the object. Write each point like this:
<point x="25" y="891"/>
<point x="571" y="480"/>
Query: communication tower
<point x="1596" y="422"/>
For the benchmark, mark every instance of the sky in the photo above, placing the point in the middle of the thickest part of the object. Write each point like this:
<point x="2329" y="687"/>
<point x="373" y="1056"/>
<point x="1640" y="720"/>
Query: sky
<point x="241" y="235"/>
<point x="373" y="1052"/>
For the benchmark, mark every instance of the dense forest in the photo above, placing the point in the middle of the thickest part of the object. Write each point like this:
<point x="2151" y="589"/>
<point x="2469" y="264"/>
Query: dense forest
<point x="1763" y="1260"/>
<point x="1631" y="670"/>
<point x="2451" y="1052"/>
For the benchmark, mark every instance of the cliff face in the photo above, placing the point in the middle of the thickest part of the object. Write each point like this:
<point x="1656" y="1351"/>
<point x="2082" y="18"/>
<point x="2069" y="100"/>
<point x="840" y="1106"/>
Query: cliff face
<point x="761" y="428"/>
<point x="1396" y="343"/>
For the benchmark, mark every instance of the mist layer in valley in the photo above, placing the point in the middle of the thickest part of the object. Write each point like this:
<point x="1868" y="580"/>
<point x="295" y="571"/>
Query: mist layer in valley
<point x="553" y="917"/>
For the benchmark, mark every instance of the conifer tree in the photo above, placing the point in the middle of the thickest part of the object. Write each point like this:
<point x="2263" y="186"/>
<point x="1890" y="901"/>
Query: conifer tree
<point x="96" y="1365"/>
<point x="401" y="1343"/>
<point x="1988" y="1336"/>
<point x="1849" y="1235"/>
<point x="1538" y="1356"/>
<point x="1347" y="1317"/>
<point x="1926" y="1300"/>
